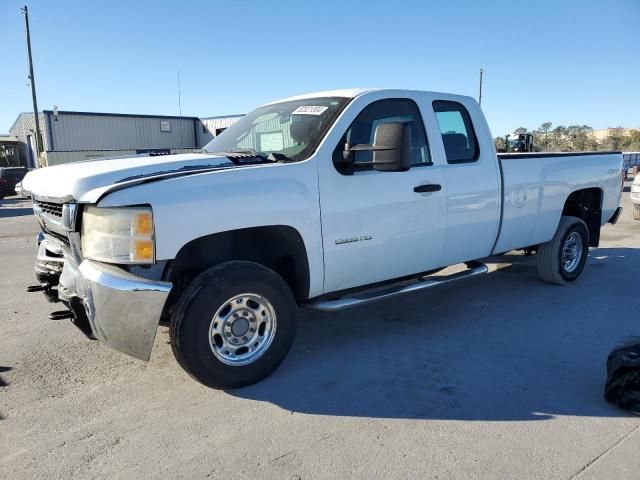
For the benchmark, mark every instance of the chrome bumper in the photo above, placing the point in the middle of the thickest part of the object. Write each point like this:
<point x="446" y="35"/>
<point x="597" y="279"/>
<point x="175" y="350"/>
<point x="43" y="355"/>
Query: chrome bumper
<point x="123" y="310"/>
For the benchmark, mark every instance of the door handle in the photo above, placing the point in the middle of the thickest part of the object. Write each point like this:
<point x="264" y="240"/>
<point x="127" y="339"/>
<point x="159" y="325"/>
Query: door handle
<point x="429" y="187"/>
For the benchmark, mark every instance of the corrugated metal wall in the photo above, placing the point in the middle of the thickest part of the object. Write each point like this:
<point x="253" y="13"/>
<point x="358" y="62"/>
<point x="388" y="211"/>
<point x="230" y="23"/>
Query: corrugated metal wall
<point x="83" y="131"/>
<point x="79" y="131"/>
<point x="25" y="126"/>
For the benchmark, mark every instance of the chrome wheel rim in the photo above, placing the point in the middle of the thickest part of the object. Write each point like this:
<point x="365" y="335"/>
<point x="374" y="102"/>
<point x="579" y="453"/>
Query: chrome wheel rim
<point x="572" y="252"/>
<point x="242" y="329"/>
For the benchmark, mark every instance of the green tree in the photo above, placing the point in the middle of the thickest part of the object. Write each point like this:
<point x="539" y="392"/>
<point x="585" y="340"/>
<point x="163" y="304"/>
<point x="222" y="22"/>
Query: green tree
<point x="615" y="140"/>
<point x="579" y="138"/>
<point x="632" y="141"/>
<point x="545" y="127"/>
<point x="559" y="140"/>
<point x="541" y="136"/>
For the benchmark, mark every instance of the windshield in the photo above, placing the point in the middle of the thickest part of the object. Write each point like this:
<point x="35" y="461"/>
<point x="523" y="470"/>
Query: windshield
<point x="292" y="129"/>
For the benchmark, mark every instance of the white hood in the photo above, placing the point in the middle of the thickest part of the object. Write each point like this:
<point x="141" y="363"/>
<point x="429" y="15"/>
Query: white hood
<point x="87" y="181"/>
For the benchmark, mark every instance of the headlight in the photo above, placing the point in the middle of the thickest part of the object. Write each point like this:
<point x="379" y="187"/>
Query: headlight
<point x="118" y="235"/>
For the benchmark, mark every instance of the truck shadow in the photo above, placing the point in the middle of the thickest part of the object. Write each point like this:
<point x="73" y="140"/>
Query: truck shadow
<point x="501" y="347"/>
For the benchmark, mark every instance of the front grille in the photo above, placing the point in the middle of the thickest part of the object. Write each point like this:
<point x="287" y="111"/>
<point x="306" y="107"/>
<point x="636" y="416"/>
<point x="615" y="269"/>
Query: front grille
<point x="54" y="209"/>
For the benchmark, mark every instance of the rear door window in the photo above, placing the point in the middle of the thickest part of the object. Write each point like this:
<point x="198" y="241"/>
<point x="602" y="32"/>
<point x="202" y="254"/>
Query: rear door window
<point x="458" y="136"/>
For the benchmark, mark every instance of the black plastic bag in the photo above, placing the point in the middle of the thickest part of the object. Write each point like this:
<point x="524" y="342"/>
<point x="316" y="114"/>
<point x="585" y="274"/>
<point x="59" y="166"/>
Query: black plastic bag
<point x="623" y="376"/>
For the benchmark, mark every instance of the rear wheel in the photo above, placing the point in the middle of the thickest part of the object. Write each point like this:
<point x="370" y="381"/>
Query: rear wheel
<point x="233" y="325"/>
<point x="636" y="212"/>
<point x="562" y="259"/>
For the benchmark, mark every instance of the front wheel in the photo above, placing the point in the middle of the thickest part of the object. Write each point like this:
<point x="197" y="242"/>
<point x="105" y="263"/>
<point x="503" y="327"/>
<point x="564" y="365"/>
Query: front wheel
<point x="233" y="325"/>
<point x="562" y="259"/>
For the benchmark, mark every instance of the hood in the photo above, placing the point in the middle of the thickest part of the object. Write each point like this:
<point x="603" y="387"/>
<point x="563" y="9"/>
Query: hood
<point x="88" y="180"/>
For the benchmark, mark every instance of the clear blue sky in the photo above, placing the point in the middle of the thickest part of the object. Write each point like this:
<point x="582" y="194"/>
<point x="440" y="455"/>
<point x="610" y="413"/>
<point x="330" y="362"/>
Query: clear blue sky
<point x="565" y="61"/>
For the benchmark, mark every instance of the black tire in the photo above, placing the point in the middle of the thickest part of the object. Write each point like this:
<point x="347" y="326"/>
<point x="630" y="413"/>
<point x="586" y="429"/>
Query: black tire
<point x="550" y="266"/>
<point x="636" y="212"/>
<point x="192" y="319"/>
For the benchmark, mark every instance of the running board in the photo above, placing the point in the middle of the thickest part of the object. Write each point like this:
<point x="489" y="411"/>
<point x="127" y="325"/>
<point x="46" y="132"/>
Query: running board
<point x="422" y="283"/>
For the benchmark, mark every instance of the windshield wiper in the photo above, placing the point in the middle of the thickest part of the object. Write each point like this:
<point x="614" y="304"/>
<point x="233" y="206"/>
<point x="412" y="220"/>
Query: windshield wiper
<point x="248" y="155"/>
<point x="241" y="157"/>
<point x="247" y="151"/>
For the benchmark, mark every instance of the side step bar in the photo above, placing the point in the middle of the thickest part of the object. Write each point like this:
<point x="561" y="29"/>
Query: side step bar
<point x="422" y="283"/>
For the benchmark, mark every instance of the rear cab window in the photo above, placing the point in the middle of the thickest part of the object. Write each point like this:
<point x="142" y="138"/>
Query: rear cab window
<point x="456" y="128"/>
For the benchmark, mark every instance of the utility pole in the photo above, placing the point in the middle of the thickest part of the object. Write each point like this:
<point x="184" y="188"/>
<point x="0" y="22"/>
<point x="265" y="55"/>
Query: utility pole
<point x="480" y="94"/>
<point x="32" y="80"/>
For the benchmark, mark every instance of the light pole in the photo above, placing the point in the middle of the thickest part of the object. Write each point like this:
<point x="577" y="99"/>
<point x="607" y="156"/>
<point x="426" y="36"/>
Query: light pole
<point x="24" y="10"/>
<point x="480" y="94"/>
<point x="179" y="96"/>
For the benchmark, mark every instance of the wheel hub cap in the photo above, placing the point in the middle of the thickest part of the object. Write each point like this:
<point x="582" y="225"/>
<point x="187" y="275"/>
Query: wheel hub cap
<point x="572" y="252"/>
<point x="239" y="327"/>
<point x="242" y="329"/>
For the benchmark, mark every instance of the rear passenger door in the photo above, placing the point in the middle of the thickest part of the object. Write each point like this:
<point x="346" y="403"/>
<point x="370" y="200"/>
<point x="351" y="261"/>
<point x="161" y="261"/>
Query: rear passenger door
<point x="473" y="182"/>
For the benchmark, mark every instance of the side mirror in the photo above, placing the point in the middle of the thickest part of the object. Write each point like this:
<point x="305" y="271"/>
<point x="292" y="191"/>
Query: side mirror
<point x="392" y="147"/>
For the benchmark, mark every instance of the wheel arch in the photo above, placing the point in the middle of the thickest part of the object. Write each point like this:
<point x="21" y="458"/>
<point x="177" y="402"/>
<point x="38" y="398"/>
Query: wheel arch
<point x="278" y="247"/>
<point x="586" y="204"/>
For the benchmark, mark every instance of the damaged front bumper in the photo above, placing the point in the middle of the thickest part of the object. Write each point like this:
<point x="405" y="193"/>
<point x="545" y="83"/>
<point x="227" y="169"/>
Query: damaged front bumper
<point x="108" y="303"/>
<point x="120" y="309"/>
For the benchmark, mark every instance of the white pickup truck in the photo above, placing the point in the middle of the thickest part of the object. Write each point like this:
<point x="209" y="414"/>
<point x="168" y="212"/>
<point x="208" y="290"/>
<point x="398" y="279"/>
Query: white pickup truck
<point x="326" y="201"/>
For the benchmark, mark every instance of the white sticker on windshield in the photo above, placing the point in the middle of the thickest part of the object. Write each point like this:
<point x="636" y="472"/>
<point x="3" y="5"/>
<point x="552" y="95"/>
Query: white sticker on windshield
<point x="309" y="110"/>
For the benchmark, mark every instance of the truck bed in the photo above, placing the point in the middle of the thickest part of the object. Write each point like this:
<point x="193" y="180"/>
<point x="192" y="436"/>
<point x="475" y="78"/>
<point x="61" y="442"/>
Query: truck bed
<point x="535" y="187"/>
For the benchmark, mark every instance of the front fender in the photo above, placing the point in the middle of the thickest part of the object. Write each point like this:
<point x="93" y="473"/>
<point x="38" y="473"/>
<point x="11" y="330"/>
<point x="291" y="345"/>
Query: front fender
<point x="195" y="206"/>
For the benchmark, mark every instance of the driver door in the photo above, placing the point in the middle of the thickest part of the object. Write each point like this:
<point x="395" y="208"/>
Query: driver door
<point x="378" y="225"/>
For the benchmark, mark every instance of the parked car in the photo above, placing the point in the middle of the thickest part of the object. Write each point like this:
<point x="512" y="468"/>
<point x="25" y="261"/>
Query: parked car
<point x="635" y="197"/>
<point x="9" y="177"/>
<point x="324" y="201"/>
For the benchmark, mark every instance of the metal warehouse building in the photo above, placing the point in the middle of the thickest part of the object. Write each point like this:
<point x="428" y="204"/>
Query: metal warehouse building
<point x="72" y="136"/>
